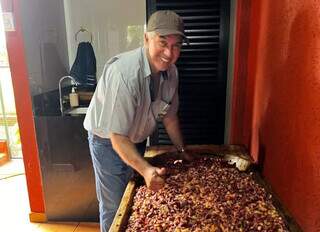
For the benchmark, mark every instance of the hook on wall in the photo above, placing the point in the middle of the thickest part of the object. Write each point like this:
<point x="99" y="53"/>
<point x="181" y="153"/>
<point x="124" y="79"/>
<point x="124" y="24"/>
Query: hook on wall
<point x="82" y="29"/>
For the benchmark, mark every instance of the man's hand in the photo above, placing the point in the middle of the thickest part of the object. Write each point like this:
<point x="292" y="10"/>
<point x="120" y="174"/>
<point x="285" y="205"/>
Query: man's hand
<point x="153" y="178"/>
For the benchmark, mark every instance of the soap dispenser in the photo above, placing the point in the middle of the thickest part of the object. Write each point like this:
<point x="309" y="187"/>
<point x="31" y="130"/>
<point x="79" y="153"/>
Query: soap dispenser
<point x="74" y="99"/>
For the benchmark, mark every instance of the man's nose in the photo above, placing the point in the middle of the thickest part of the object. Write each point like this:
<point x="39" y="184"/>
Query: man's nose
<point x="168" y="51"/>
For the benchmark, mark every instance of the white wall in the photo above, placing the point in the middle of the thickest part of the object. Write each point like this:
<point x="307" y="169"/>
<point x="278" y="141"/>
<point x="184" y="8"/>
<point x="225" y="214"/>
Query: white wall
<point x="49" y="27"/>
<point x="44" y="34"/>
<point x="116" y="26"/>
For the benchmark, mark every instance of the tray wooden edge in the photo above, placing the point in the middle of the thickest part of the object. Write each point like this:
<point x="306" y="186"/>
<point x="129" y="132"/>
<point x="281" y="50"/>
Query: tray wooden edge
<point x="122" y="215"/>
<point x="206" y="148"/>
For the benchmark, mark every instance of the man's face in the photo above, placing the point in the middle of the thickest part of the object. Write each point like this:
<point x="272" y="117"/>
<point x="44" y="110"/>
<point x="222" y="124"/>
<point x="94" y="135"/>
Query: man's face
<point x="162" y="51"/>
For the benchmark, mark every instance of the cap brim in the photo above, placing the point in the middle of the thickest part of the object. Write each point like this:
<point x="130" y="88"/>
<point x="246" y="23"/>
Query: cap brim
<point x="165" y="32"/>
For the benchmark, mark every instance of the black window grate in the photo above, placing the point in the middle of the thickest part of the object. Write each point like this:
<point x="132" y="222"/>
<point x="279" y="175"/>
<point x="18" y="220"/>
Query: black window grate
<point x="202" y="69"/>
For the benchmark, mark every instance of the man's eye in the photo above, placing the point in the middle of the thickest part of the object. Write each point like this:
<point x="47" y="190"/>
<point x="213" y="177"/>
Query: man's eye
<point x="178" y="46"/>
<point x="163" y="43"/>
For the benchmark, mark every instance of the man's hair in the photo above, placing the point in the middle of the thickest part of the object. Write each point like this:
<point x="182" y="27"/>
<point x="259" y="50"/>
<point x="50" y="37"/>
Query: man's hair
<point x="151" y="34"/>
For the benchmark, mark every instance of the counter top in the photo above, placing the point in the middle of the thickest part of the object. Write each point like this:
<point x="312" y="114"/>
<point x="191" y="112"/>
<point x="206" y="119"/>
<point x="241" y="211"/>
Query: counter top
<point x="76" y="111"/>
<point x="47" y="104"/>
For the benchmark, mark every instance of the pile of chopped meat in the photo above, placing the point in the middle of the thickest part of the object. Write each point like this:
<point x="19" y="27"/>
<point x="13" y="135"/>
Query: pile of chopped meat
<point x="205" y="195"/>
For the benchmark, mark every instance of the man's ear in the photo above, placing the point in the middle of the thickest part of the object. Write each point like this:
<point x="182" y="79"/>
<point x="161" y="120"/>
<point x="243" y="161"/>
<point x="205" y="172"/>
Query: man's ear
<point x="145" y="38"/>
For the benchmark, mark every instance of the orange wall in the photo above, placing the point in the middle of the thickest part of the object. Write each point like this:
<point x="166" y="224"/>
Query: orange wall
<point x="277" y="95"/>
<point x="20" y="84"/>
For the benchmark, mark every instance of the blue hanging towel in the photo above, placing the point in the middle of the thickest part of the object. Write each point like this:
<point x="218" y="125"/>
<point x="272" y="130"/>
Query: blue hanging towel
<point x="84" y="67"/>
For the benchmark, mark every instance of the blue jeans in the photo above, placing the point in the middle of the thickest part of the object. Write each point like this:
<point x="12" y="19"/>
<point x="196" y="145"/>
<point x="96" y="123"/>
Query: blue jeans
<point x="111" y="176"/>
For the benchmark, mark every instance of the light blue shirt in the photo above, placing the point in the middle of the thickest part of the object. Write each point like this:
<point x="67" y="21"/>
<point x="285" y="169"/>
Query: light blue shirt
<point x="122" y="103"/>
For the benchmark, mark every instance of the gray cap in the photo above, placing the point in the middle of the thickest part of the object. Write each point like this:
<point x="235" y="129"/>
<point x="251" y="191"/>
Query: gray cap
<point x="166" y="22"/>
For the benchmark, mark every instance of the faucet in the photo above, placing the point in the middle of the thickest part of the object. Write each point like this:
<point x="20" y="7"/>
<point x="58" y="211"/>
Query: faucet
<point x="73" y="82"/>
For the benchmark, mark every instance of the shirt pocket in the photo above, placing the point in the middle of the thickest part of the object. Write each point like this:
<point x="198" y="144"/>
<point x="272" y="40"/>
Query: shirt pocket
<point x="159" y="109"/>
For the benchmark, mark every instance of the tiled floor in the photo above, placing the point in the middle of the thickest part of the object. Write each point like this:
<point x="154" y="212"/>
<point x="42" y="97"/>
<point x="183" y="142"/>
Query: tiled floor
<point x="14" y="209"/>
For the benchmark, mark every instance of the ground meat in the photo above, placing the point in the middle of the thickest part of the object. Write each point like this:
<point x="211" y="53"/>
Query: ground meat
<point x="206" y="195"/>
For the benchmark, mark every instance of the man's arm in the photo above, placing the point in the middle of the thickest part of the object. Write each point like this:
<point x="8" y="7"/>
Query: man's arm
<point x="129" y="154"/>
<point x="172" y="125"/>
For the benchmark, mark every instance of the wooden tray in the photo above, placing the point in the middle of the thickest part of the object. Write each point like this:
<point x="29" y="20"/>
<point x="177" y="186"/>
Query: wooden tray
<point x="156" y="154"/>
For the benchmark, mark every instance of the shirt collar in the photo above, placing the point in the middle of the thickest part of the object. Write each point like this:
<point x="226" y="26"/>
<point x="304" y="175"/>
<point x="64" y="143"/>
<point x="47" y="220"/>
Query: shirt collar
<point x="146" y="66"/>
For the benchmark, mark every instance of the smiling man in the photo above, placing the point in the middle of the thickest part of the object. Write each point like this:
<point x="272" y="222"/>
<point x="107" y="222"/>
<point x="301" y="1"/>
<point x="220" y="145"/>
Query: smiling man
<point x="137" y="89"/>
